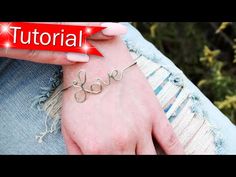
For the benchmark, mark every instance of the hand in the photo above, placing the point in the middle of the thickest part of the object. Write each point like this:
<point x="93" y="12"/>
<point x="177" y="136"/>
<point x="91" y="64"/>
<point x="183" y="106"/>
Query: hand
<point x="124" y="118"/>
<point x="63" y="58"/>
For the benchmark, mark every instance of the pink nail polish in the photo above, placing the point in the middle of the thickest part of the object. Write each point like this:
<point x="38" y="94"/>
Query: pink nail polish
<point x="76" y="57"/>
<point x="113" y="29"/>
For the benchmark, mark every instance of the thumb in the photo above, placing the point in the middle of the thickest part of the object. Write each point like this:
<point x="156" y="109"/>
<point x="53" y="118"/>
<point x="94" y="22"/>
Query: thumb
<point x="63" y="58"/>
<point x="41" y="56"/>
<point x="111" y="29"/>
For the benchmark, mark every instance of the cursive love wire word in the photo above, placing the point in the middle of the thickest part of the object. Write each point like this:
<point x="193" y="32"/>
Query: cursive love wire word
<point x="97" y="86"/>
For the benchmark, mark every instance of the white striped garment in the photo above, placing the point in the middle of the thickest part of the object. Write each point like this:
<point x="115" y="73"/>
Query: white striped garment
<point x="192" y="129"/>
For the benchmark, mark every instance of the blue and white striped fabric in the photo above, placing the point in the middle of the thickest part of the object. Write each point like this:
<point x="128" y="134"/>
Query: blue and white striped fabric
<point x="193" y="130"/>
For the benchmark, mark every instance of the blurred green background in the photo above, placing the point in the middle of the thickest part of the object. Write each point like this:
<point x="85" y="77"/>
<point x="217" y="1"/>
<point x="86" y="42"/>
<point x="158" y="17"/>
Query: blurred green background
<point x="205" y="52"/>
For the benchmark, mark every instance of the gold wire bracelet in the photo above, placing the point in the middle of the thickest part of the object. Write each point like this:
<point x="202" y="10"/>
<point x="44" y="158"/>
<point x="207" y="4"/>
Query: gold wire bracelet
<point x="97" y="86"/>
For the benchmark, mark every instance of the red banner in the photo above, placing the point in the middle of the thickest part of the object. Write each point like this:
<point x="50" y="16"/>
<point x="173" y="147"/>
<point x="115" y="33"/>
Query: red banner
<point x="55" y="37"/>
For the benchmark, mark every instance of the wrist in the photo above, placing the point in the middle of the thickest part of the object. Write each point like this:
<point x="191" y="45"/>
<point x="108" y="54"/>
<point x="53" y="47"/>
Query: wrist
<point x="116" y="56"/>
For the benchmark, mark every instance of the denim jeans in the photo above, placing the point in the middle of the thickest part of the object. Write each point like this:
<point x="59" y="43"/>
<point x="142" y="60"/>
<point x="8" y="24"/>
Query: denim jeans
<point x="26" y="87"/>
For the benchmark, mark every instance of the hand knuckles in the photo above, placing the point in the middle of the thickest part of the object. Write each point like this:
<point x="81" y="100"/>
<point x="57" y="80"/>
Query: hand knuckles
<point x="121" y="140"/>
<point x="32" y="54"/>
<point x="95" y="149"/>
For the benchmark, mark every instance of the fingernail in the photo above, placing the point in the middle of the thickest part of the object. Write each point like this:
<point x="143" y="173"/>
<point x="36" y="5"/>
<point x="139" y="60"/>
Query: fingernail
<point x="113" y="29"/>
<point x="75" y="57"/>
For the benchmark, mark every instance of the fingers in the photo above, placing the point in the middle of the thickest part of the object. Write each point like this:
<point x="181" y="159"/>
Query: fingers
<point x="63" y="58"/>
<point x="146" y="147"/>
<point x="164" y="134"/>
<point x="49" y="57"/>
<point x="72" y="147"/>
<point x="108" y="147"/>
<point x="111" y="30"/>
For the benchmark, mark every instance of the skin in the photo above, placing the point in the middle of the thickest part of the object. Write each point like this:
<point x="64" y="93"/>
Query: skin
<point x="49" y="57"/>
<point x="124" y="118"/>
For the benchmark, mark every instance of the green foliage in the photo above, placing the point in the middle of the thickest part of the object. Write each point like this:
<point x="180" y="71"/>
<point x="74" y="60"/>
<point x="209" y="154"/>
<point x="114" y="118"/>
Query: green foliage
<point x="206" y="52"/>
